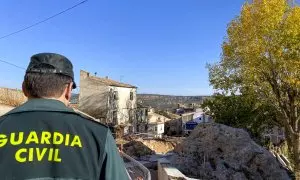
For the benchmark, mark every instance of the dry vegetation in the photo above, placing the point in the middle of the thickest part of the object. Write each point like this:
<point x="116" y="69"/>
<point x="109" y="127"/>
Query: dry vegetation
<point x="11" y="97"/>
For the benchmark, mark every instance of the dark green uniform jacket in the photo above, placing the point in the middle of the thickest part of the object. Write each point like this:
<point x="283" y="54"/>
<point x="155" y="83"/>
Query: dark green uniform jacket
<point x="44" y="140"/>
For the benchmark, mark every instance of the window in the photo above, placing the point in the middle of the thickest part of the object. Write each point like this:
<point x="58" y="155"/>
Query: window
<point x="131" y="115"/>
<point x="155" y="128"/>
<point x="131" y="95"/>
<point x="115" y="117"/>
<point x="116" y="97"/>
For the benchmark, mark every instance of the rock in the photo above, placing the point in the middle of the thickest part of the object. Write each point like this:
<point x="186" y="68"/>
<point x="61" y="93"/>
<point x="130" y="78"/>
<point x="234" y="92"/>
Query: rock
<point x="215" y="151"/>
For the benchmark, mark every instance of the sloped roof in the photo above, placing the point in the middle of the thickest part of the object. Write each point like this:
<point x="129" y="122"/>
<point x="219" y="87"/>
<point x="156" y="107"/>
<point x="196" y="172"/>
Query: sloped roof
<point x="110" y="82"/>
<point x="168" y="114"/>
<point x="154" y="118"/>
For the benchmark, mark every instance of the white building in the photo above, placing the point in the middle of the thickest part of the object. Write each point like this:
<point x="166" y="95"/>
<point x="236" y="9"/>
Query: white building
<point x="192" y="119"/>
<point x="114" y="103"/>
<point x="156" y="123"/>
<point x="200" y="117"/>
<point x="156" y="129"/>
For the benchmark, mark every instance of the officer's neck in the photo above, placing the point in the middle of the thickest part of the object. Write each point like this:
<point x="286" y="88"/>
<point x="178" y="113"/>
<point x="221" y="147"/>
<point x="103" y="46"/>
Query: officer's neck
<point x="61" y="99"/>
<point x="64" y="98"/>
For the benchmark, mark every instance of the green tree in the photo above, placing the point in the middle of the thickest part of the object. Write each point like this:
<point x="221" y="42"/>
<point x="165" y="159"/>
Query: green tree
<point x="261" y="56"/>
<point x="240" y="111"/>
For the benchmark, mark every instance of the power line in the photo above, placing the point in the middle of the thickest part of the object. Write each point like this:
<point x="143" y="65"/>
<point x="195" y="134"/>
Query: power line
<point x="12" y="64"/>
<point x="39" y="22"/>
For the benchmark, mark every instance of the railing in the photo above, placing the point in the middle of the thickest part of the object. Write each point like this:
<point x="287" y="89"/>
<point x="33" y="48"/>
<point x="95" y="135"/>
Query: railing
<point x="135" y="170"/>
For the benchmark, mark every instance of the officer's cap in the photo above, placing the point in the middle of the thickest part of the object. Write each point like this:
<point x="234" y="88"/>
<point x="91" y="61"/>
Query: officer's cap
<point x="51" y="63"/>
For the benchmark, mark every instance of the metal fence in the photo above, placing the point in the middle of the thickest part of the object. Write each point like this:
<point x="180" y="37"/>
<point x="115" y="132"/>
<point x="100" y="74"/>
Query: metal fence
<point x="136" y="170"/>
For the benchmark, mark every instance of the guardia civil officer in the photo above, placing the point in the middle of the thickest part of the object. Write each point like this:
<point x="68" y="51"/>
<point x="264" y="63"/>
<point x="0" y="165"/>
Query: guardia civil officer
<point x="43" y="139"/>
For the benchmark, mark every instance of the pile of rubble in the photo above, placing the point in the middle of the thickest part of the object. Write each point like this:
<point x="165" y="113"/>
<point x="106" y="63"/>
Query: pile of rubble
<point x="138" y="147"/>
<point x="215" y="151"/>
<point x="160" y="146"/>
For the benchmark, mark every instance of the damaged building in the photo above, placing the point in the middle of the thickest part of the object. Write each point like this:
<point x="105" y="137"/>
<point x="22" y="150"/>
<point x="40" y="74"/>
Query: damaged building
<point x="114" y="103"/>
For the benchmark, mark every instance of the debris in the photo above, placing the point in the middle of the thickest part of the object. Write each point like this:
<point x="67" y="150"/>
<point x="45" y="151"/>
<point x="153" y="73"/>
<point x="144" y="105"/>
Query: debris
<point x="137" y="149"/>
<point x="215" y="151"/>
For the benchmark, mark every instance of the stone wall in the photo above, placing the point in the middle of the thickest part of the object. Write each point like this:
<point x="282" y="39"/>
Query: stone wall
<point x="93" y="98"/>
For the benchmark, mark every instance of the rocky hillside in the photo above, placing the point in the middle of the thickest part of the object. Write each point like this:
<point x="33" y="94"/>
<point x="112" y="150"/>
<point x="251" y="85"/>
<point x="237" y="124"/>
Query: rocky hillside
<point x="162" y="102"/>
<point x="165" y="102"/>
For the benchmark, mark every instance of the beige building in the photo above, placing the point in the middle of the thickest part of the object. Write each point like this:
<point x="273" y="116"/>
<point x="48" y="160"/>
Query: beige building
<point x="156" y="123"/>
<point x="114" y="103"/>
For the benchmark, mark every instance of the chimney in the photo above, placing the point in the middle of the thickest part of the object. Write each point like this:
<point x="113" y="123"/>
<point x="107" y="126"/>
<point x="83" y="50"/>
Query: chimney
<point x="84" y="74"/>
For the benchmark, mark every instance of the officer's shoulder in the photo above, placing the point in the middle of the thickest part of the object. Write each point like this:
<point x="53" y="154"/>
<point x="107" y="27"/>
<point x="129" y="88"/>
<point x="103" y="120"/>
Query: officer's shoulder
<point x="90" y="118"/>
<point x="3" y="117"/>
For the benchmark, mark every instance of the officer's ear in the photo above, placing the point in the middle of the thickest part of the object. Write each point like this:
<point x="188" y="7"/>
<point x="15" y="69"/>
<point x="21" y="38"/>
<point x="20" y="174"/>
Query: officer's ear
<point x="24" y="89"/>
<point x="68" y="92"/>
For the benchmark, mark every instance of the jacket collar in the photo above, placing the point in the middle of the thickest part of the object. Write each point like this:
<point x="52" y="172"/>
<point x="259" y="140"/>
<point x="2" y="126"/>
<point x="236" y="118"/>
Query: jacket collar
<point x="40" y="104"/>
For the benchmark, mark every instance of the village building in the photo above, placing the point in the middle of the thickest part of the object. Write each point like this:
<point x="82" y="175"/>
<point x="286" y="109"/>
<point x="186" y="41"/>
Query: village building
<point x="153" y="125"/>
<point x="156" y="123"/>
<point x="192" y="119"/>
<point x="141" y="118"/>
<point x="114" y="103"/>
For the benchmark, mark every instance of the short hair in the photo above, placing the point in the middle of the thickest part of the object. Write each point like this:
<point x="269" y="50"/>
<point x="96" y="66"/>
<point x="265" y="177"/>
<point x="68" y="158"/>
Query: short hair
<point x="43" y="85"/>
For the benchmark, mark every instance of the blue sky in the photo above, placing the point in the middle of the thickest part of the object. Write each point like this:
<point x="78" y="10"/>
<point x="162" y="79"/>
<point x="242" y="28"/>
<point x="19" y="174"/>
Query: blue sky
<point x="161" y="46"/>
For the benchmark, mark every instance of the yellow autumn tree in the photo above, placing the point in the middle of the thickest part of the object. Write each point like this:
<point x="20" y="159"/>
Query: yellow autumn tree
<point x="261" y="54"/>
